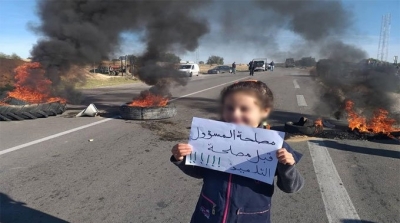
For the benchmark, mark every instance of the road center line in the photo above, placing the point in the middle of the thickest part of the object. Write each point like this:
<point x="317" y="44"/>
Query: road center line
<point x="2" y="152"/>
<point x="184" y="96"/>
<point x="296" y="85"/>
<point x="301" y="101"/>
<point x="338" y="205"/>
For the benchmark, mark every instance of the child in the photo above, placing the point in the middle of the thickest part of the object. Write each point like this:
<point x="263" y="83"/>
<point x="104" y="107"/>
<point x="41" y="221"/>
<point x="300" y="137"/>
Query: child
<point x="225" y="197"/>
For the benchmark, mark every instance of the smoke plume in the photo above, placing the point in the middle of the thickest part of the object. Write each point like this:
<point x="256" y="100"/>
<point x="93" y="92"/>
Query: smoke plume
<point x="321" y="26"/>
<point x="81" y="32"/>
<point x="252" y="27"/>
<point x="85" y="31"/>
<point x="369" y="84"/>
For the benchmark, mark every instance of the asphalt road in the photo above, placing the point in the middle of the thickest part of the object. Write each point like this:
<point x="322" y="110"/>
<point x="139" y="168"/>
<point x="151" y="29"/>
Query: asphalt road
<point x="50" y="170"/>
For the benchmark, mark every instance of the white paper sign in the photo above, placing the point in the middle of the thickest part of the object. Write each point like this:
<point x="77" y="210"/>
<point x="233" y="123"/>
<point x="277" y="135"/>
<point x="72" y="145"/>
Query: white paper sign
<point x="236" y="149"/>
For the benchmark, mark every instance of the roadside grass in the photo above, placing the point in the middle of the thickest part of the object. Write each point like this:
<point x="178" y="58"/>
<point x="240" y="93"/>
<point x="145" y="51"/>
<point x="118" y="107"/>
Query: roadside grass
<point x="112" y="81"/>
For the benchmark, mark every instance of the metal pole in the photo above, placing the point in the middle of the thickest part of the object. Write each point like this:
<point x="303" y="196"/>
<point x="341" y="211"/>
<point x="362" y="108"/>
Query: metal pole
<point x="120" y="67"/>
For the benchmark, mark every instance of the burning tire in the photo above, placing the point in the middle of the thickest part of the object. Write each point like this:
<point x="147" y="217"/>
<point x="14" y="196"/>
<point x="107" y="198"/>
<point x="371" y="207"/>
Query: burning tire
<point x="291" y="127"/>
<point x="303" y="126"/>
<point x="30" y="111"/>
<point x="140" y="113"/>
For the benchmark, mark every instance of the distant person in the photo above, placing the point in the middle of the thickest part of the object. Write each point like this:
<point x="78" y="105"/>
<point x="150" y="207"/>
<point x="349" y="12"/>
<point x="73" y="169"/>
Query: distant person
<point x="123" y="70"/>
<point x="272" y="64"/>
<point x="252" y="66"/>
<point x="238" y="198"/>
<point x="234" y="68"/>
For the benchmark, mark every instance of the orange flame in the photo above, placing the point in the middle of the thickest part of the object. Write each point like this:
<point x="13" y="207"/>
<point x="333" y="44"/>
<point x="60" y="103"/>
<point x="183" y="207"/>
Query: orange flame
<point x="31" y="85"/>
<point x="379" y="123"/>
<point x="149" y="100"/>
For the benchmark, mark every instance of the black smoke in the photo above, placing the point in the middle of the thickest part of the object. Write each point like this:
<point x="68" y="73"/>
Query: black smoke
<point x="370" y="84"/>
<point x="81" y="32"/>
<point x="252" y="27"/>
<point x="321" y="27"/>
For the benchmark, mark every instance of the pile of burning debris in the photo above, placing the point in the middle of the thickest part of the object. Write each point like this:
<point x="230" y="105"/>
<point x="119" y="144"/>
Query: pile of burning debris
<point x="154" y="103"/>
<point x="31" y="97"/>
<point x="380" y="126"/>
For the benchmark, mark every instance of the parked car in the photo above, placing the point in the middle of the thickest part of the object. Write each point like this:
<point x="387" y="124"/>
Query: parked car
<point x="220" y="69"/>
<point x="190" y="69"/>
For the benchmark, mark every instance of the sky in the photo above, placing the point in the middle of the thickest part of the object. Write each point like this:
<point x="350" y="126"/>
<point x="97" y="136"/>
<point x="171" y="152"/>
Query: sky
<point x="17" y="15"/>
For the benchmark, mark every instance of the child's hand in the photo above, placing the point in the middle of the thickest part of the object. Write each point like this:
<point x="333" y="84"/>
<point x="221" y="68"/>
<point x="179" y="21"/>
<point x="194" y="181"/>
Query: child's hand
<point x="180" y="150"/>
<point x="285" y="157"/>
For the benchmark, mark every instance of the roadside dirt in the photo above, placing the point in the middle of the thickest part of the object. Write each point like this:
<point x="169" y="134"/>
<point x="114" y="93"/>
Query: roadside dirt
<point x="7" y="73"/>
<point x="166" y="130"/>
<point x="85" y="79"/>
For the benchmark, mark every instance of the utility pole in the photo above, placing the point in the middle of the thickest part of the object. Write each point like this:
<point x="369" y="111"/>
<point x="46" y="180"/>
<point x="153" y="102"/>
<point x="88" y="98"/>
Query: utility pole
<point x="131" y="64"/>
<point x="126" y="65"/>
<point x="197" y="56"/>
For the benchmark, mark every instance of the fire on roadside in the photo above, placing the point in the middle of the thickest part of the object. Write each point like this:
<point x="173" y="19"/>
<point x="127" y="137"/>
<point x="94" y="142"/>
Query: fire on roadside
<point x="31" y="85"/>
<point x="147" y="99"/>
<point x="379" y="123"/>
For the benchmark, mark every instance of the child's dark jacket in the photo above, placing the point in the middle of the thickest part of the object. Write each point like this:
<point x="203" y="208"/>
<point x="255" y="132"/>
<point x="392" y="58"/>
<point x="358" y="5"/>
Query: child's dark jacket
<point x="229" y="198"/>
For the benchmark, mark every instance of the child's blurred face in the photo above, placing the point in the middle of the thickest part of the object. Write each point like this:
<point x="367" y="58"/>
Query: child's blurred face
<point x="243" y="108"/>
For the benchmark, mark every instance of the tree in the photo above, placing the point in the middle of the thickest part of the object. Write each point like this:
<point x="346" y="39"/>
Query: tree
<point x="15" y="56"/>
<point x="215" y="60"/>
<point x="3" y="56"/>
<point x="169" y="58"/>
<point x="201" y="62"/>
<point x="12" y="56"/>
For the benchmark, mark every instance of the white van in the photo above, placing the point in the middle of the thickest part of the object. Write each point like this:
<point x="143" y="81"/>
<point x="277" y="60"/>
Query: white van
<point x="190" y="69"/>
<point x="260" y="64"/>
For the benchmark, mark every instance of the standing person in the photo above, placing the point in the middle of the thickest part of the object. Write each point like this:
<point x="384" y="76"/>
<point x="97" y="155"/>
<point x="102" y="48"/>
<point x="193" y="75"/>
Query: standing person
<point x="234" y="68"/>
<point x="251" y="67"/>
<point x="272" y="64"/>
<point x="232" y="198"/>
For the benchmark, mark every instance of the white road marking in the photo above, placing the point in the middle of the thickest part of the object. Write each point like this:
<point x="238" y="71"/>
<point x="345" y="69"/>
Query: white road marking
<point x="52" y="136"/>
<point x="301" y="101"/>
<point x="184" y="96"/>
<point x="93" y="124"/>
<point x="296" y="85"/>
<point x="338" y="205"/>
